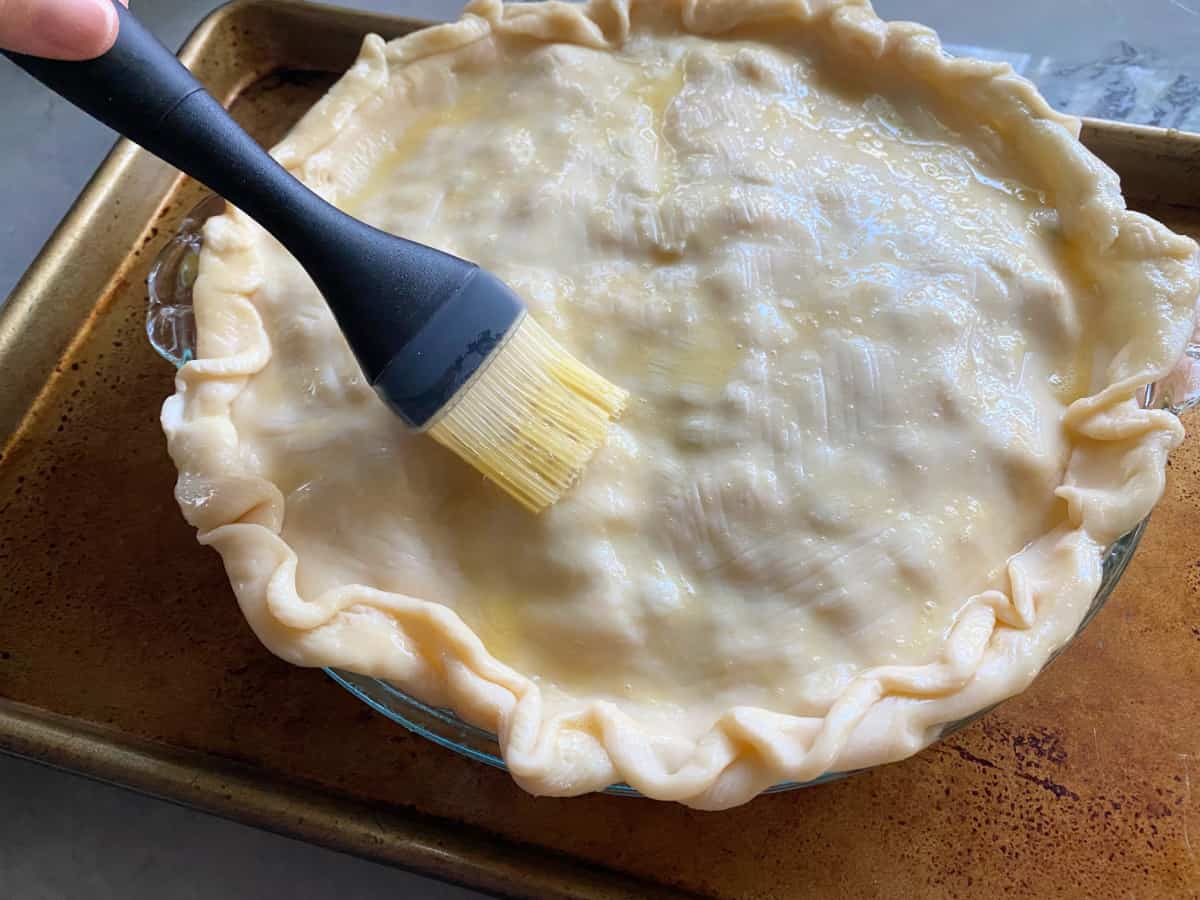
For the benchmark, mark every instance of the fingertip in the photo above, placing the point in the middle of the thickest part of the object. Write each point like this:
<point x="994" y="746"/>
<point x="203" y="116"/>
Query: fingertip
<point x="71" y="29"/>
<point x="113" y="24"/>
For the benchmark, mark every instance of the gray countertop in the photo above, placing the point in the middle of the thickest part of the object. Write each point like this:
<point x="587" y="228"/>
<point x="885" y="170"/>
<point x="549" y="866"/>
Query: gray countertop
<point x="62" y="837"/>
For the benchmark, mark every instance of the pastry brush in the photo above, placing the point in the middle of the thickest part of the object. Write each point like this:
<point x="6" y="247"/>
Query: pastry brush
<point x="446" y="345"/>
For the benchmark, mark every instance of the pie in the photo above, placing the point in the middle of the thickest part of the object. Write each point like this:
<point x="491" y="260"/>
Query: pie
<point x="884" y="322"/>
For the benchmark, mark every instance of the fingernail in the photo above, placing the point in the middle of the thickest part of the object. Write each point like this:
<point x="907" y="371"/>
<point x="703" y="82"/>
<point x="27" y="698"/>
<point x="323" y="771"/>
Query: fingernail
<point x="76" y="29"/>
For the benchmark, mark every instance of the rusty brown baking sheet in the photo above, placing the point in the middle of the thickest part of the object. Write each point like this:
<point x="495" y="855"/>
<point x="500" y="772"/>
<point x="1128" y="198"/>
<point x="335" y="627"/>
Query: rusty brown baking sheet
<point x="123" y="654"/>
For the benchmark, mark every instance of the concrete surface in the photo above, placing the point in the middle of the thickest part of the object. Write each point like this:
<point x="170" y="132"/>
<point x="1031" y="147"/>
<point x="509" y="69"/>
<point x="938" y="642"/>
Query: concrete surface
<point x="65" y="837"/>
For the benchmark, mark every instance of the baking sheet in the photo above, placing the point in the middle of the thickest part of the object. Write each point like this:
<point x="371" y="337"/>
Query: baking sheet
<point x="123" y="654"/>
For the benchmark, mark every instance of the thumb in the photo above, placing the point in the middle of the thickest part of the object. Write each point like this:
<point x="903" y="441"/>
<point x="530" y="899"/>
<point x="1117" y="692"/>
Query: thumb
<point x="58" y="29"/>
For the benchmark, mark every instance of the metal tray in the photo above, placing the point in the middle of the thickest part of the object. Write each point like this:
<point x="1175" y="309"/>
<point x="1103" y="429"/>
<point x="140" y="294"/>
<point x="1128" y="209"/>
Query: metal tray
<point x="123" y="654"/>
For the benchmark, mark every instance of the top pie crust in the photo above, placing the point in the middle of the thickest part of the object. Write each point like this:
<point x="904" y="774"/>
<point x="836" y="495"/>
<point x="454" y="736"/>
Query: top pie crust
<point x="884" y="320"/>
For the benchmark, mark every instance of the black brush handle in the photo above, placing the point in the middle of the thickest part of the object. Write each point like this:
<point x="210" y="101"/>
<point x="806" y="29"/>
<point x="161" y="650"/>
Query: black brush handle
<point x="382" y="289"/>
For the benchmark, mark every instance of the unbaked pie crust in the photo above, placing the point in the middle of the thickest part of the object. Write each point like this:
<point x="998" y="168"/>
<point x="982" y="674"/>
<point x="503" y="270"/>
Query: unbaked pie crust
<point x="884" y="321"/>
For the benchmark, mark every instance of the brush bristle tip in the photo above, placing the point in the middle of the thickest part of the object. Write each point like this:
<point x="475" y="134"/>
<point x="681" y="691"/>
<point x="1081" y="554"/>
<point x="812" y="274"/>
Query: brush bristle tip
<point x="532" y="418"/>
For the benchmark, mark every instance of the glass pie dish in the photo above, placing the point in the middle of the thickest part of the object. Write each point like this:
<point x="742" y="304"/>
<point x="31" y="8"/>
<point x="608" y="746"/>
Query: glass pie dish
<point x="171" y="330"/>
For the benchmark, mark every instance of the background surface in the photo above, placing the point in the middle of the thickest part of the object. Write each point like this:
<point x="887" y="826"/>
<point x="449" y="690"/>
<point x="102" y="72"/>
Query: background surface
<point x="64" y="837"/>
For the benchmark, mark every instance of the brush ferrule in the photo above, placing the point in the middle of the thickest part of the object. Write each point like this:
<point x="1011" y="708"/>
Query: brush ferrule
<point x="450" y="349"/>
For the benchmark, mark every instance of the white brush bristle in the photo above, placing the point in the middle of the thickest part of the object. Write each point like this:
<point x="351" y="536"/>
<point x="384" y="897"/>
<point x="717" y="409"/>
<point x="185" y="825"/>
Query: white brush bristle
<point x="532" y="419"/>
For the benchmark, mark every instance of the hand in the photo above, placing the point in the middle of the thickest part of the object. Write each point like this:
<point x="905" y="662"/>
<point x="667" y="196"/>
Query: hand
<point x="58" y="29"/>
